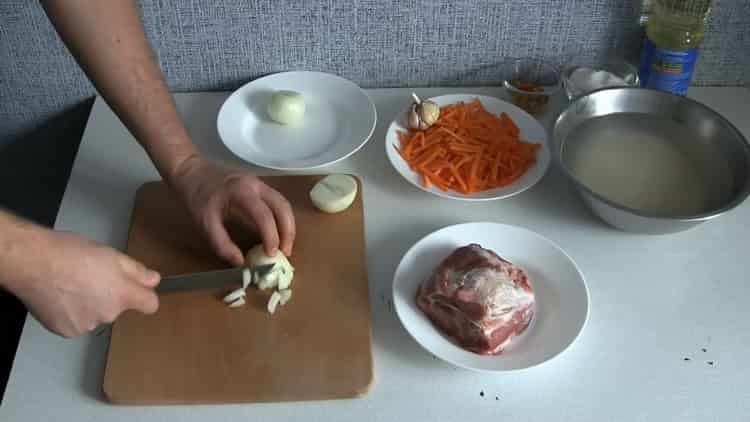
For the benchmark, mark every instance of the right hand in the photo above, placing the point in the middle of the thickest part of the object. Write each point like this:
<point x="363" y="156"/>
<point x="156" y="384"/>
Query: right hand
<point x="74" y="285"/>
<point x="214" y="195"/>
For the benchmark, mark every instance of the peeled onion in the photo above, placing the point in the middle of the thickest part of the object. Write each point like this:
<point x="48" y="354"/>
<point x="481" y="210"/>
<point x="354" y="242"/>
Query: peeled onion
<point x="286" y="107"/>
<point x="334" y="193"/>
<point x="281" y="274"/>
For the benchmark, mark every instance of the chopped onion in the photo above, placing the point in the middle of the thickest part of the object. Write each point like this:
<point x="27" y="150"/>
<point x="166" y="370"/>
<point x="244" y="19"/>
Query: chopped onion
<point x="247" y="278"/>
<point x="256" y="257"/>
<point x="269" y="281"/>
<point x="273" y="302"/>
<point x="285" y="279"/>
<point x="280" y="276"/>
<point x="234" y="295"/>
<point x="237" y="303"/>
<point x="284" y="296"/>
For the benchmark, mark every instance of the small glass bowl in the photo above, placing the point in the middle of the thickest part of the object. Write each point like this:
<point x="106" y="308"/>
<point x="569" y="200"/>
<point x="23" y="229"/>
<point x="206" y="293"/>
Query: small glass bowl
<point x="623" y="74"/>
<point x="531" y="83"/>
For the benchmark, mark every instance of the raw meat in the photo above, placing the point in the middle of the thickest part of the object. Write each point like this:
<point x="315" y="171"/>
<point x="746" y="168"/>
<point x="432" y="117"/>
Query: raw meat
<point x="479" y="299"/>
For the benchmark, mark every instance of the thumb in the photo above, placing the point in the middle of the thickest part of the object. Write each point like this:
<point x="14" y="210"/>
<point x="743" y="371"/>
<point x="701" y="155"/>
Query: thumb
<point x="139" y="272"/>
<point x="142" y="299"/>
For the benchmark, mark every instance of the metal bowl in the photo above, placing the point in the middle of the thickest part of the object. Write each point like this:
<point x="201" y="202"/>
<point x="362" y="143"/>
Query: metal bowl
<point x="626" y="72"/>
<point x="721" y="145"/>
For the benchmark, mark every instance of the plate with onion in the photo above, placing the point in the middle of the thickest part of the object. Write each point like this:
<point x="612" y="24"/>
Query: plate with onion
<point x="296" y="120"/>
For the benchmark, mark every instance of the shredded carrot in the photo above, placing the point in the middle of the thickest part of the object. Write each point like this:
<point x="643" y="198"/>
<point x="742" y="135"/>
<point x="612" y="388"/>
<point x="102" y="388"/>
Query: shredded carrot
<point x="468" y="150"/>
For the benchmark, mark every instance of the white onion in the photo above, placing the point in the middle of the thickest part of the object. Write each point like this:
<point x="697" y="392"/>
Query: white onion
<point x="286" y="107"/>
<point x="334" y="193"/>
<point x="282" y="272"/>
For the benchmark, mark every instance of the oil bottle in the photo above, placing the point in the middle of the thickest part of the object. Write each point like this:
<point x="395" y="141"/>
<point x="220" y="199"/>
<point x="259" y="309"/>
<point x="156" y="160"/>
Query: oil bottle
<point x="674" y="31"/>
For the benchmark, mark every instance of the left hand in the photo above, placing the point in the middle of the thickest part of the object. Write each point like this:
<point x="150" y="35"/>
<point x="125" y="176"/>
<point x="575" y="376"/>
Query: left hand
<point x="214" y="195"/>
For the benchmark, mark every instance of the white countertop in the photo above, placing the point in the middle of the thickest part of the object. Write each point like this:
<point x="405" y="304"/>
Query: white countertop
<point x="654" y="300"/>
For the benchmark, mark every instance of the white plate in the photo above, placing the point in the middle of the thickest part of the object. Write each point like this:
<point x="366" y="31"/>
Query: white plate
<point x="562" y="299"/>
<point x="339" y="119"/>
<point x="531" y="131"/>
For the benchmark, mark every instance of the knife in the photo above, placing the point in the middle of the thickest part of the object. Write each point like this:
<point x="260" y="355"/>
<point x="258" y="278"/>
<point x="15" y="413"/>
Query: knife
<point x="231" y="277"/>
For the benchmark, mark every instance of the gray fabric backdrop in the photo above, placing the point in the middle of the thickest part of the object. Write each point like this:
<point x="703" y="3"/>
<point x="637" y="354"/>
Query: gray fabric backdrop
<point x="210" y="44"/>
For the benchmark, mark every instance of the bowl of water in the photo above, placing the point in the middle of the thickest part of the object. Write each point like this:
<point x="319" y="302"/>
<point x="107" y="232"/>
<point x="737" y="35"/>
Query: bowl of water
<point x="647" y="161"/>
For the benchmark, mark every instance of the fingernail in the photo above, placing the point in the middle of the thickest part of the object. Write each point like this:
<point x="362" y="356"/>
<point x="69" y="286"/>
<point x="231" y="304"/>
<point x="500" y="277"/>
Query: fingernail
<point x="153" y="274"/>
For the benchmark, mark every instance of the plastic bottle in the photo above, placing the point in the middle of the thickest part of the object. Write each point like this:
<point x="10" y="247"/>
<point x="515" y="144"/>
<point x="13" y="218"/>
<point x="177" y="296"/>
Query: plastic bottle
<point x="643" y="12"/>
<point x="674" y="31"/>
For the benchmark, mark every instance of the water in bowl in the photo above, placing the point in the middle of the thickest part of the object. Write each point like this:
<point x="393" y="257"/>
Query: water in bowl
<point x="648" y="163"/>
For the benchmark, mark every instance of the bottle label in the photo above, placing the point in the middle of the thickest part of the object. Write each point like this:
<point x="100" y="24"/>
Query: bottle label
<point x="666" y="70"/>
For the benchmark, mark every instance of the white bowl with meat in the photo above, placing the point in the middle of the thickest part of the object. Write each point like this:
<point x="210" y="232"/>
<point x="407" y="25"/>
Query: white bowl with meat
<point x="490" y="297"/>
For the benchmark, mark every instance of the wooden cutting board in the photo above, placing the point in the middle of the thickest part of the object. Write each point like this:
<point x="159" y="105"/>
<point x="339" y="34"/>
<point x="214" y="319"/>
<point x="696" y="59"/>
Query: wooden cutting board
<point x="197" y="350"/>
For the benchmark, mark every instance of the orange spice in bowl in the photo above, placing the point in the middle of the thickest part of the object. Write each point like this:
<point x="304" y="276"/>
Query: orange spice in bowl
<point x="531" y="83"/>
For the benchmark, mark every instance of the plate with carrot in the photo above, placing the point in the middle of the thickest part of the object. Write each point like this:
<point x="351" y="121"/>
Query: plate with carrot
<point x="478" y="148"/>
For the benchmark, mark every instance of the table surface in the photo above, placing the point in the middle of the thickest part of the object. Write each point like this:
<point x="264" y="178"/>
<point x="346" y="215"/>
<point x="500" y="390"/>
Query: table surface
<point x="655" y="300"/>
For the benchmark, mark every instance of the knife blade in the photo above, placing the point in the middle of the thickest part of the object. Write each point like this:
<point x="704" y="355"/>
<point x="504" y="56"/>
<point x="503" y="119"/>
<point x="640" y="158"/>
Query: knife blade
<point x="231" y="277"/>
<point x="203" y="280"/>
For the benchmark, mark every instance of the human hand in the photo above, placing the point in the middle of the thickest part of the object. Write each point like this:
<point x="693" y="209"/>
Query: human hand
<point x="214" y="195"/>
<point x="72" y="285"/>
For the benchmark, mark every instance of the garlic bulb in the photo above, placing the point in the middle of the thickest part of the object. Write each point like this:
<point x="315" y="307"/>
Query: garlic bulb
<point x="422" y="114"/>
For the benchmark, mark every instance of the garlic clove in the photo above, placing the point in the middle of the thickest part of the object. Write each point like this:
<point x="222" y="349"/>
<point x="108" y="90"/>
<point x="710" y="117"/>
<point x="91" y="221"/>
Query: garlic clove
<point x="412" y="117"/>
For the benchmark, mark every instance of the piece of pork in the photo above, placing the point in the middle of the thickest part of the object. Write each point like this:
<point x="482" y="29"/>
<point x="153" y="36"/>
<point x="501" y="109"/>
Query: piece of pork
<point x="479" y="299"/>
